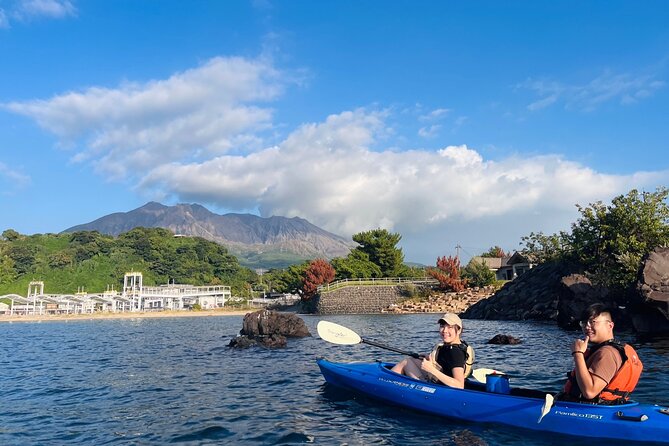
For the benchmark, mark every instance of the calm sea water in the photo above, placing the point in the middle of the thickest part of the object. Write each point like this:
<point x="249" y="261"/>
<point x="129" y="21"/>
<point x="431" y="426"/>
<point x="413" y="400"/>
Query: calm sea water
<point x="174" y="381"/>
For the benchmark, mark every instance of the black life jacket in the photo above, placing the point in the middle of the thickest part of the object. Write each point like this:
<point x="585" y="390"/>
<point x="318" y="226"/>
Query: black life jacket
<point x="466" y="349"/>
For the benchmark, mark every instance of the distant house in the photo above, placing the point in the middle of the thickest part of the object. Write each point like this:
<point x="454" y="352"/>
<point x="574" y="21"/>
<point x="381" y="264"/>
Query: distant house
<point x="507" y="268"/>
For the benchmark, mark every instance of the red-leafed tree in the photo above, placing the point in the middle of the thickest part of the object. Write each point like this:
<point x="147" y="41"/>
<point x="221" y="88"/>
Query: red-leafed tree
<point x="448" y="274"/>
<point x="318" y="272"/>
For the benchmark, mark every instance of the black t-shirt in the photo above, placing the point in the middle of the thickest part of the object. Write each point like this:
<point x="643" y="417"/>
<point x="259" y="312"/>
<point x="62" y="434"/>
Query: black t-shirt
<point x="450" y="357"/>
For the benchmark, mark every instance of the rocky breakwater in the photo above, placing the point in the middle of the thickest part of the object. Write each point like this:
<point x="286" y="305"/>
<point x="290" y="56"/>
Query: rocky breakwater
<point x="560" y="292"/>
<point x="442" y="302"/>
<point x="531" y="296"/>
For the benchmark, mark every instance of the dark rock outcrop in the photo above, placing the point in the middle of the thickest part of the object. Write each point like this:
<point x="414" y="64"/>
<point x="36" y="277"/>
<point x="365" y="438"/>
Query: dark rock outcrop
<point x="269" y="329"/>
<point x="576" y="294"/>
<point x="652" y="314"/>
<point x="502" y="339"/>
<point x="654" y="277"/>
<point x="532" y="296"/>
<point x="560" y="292"/>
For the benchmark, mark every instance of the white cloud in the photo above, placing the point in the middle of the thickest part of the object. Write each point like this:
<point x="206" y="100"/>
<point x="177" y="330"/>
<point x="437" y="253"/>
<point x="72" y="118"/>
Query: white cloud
<point x="194" y="115"/>
<point x="12" y="178"/>
<point x="429" y="132"/>
<point x="328" y="174"/>
<point x="609" y="87"/>
<point x="54" y="9"/>
<point x="198" y="137"/>
<point x="434" y="115"/>
<point x="4" y="21"/>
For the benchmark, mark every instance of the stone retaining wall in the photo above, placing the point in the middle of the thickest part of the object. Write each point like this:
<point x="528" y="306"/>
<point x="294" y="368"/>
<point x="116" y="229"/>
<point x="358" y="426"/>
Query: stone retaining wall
<point x="358" y="299"/>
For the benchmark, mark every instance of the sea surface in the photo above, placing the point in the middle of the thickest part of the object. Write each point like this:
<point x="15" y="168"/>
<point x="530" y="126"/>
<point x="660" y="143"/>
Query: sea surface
<point x="174" y="381"/>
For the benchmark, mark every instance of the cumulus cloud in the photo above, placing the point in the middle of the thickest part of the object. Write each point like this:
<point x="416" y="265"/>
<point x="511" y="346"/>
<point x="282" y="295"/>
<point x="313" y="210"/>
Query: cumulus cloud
<point x="196" y="114"/>
<point x="327" y="173"/>
<point x="199" y="136"/>
<point x="609" y="87"/>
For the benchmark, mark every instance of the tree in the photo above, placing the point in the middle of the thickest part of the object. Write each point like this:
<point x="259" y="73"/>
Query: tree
<point x="318" y="272"/>
<point x="546" y="248"/>
<point x="23" y="257"/>
<point x="380" y="247"/>
<point x="355" y="265"/>
<point x="478" y="274"/>
<point x="10" y="235"/>
<point x="612" y="240"/>
<point x="288" y="280"/>
<point x="495" y="252"/>
<point x="7" y="271"/>
<point x="448" y="274"/>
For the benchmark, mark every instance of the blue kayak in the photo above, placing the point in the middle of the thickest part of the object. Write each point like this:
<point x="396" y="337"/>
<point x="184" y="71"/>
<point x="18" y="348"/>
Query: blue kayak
<point x="515" y="407"/>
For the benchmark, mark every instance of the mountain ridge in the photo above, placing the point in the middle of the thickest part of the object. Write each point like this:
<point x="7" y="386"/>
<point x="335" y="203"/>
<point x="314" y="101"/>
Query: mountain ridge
<point x="258" y="241"/>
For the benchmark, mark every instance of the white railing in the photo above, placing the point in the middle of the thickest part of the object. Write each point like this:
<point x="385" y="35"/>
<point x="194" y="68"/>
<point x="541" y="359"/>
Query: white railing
<point x="375" y="281"/>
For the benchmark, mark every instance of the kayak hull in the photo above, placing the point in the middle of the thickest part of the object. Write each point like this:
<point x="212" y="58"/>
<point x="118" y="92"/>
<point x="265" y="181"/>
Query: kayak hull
<point x="632" y="421"/>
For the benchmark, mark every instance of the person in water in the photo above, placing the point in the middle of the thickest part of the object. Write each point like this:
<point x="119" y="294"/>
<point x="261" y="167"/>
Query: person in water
<point x="448" y="363"/>
<point x="605" y="370"/>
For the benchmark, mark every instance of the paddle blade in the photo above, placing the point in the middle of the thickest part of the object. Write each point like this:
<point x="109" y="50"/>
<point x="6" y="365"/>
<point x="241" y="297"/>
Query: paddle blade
<point x="337" y="334"/>
<point x="479" y="374"/>
<point x="546" y="407"/>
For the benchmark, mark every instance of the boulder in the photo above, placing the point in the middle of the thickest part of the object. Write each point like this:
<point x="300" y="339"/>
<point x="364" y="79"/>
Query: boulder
<point x="269" y="322"/>
<point x="576" y="294"/>
<point x="269" y="329"/>
<point x="502" y="339"/>
<point x="654" y="276"/>
<point x="652" y="316"/>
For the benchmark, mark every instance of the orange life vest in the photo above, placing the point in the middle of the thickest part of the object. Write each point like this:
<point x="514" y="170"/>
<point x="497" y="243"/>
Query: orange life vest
<point x="623" y="382"/>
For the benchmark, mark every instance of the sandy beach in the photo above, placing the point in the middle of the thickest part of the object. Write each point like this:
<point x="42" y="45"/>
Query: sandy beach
<point x="126" y="315"/>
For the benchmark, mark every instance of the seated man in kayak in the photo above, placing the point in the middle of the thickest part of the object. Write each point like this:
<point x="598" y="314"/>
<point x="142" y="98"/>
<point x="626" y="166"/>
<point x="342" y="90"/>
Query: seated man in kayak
<point x="606" y="372"/>
<point x="448" y="362"/>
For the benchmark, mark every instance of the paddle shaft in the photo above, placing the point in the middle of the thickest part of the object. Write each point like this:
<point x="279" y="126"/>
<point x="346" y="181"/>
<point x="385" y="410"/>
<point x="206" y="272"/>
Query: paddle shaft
<point x="392" y="349"/>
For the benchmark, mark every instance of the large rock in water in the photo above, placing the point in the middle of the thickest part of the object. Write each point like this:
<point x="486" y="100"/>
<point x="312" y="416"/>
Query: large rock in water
<point x="577" y="294"/>
<point x="269" y="329"/>
<point x="653" y="287"/>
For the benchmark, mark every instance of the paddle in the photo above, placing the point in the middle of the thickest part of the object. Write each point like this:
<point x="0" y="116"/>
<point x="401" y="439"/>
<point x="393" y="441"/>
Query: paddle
<point x="338" y="334"/>
<point x="546" y="407"/>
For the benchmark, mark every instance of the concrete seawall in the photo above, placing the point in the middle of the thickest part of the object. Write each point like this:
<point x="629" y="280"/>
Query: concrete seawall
<point x="392" y="299"/>
<point x="358" y="299"/>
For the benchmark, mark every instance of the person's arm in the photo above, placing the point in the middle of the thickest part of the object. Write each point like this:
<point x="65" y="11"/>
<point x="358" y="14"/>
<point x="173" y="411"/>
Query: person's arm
<point x="457" y="380"/>
<point x="591" y="384"/>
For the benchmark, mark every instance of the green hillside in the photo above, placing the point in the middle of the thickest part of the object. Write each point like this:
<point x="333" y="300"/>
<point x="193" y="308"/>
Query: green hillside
<point x="96" y="262"/>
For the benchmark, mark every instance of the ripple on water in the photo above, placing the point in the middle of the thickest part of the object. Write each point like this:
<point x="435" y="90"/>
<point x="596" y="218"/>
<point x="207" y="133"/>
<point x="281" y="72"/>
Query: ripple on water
<point x="208" y="433"/>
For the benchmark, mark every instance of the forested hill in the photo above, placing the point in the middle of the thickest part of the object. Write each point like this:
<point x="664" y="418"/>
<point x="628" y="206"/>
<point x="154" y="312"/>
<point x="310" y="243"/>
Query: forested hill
<point x="67" y="262"/>
<point x="257" y="241"/>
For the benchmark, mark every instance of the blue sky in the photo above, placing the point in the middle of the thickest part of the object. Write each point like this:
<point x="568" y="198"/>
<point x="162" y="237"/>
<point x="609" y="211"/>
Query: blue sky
<point x="468" y="123"/>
